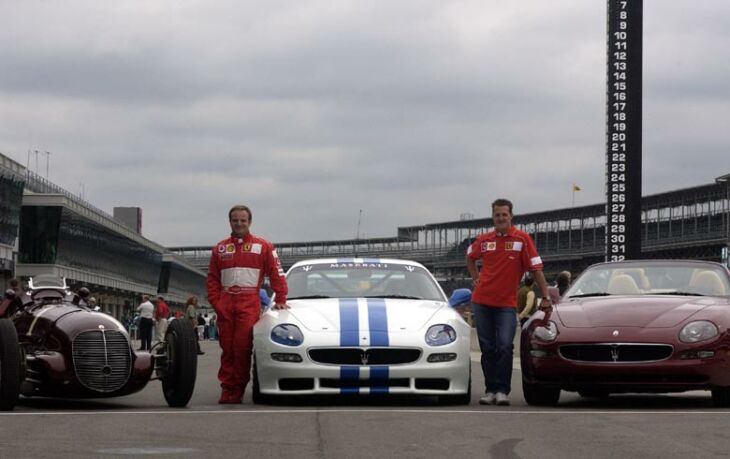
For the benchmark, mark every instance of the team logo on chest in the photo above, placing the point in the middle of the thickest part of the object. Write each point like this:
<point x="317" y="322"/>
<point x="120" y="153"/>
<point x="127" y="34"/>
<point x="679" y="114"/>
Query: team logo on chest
<point x="246" y="247"/>
<point x="230" y="248"/>
<point x="489" y="246"/>
<point x="515" y="246"/>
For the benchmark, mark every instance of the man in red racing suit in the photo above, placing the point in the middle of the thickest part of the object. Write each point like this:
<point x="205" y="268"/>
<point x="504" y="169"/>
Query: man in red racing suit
<point x="237" y="268"/>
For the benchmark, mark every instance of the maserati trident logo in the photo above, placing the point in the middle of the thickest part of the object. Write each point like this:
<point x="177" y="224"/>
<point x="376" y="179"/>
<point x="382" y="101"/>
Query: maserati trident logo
<point x="614" y="353"/>
<point x="615" y="333"/>
<point x="364" y="358"/>
<point x="410" y="268"/>
<point x="306" y="268"/>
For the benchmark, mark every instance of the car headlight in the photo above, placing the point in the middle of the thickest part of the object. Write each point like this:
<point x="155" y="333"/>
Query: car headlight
<point x="699" y="330"/>
<point x="547" y="332"/>
<point x="287" y="334"/>
<point x="440" y="335"/>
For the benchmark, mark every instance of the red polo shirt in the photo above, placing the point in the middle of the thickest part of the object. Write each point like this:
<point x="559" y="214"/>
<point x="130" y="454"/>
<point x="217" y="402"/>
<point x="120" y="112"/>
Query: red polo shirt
<point x="162" y="311"/>
<point x="505" y="258"/>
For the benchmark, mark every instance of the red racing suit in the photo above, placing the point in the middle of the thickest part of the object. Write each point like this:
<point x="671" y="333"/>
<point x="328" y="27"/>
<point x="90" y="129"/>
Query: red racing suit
<point x="236" y="272"/>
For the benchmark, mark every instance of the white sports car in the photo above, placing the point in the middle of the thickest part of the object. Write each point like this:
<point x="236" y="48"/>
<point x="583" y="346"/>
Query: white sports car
<point x="363" y="326"/>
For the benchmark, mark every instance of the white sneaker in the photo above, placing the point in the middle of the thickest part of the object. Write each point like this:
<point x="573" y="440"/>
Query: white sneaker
<point x="501" y="399"/>
<point x="488" y="399"/>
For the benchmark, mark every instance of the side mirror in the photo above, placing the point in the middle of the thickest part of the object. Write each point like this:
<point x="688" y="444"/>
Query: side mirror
<point x="459" y="297"/>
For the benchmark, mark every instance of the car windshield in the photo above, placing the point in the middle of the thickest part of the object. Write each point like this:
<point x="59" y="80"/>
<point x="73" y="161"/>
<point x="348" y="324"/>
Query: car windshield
<point x="350" y="280"/>
<point x="652" y="278"/>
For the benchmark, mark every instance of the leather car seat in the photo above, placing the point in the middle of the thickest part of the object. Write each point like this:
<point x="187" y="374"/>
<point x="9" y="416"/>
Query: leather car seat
<point x="623" y="284"/>
<point x="708" y="283"/>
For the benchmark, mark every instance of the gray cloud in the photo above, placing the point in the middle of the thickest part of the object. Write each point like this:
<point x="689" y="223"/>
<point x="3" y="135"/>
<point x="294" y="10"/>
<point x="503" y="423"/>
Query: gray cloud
<point x="413" y="111"/>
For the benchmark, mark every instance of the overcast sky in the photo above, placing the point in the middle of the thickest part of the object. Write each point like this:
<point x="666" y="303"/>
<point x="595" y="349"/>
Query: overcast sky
<point x="308" y="111"/>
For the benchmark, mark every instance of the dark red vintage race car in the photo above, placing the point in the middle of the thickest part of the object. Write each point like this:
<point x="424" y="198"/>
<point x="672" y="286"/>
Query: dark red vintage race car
<point x="53" y="345"/>
<point x="636" y="326"/>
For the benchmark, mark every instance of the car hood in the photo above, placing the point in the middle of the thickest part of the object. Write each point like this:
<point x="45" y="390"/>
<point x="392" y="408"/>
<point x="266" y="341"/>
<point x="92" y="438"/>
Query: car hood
<point x="392" y="315"/>
<point x="630" y="311"/>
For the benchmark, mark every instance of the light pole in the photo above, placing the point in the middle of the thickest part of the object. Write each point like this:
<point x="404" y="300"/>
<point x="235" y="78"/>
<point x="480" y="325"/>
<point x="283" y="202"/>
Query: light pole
<point x="48" y="157"/>
<point x="725" y="180"/>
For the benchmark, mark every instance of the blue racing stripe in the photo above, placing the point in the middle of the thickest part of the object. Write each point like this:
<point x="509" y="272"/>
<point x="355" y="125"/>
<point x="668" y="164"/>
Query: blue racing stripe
<point x="349" y="374"/>
<point x="379" y="380"/>
<point x="378" y="319"/>
<point x="349" y="322"/>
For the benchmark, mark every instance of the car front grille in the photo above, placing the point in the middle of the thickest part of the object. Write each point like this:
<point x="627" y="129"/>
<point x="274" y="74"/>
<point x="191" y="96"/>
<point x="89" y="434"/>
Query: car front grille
<point x="616" y="352"/>
<point x="102" y="359"/>
<point x="357" y="356"/>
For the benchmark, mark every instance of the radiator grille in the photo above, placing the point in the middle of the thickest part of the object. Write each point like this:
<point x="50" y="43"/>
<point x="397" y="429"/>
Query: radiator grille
<point x="616" y="352"/>
<point x="102" y="359"/>
<point x="357" y="356"/>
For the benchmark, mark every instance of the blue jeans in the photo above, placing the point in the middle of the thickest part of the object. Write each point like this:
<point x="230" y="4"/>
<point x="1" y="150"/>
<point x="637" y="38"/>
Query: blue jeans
<point x="496" y="331"/>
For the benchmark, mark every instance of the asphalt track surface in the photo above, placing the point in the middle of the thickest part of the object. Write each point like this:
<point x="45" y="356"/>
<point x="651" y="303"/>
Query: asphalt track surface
<point x="142" y="425"/>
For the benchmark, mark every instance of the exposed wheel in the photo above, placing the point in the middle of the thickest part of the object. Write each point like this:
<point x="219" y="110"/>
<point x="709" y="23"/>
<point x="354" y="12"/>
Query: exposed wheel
<point x="256" y="395"/>
<point x="460" y="399"/>
<point x="9" y="365"/>
<point x="721" y="397"/>
<point x="537" y="395"/>
<point x="182" y="363"/>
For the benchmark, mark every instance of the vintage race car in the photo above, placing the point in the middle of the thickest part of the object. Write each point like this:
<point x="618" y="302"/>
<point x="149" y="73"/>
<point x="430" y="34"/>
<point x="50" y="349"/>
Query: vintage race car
<point x="53" y="345"/>
<point x="637" y="326"/>
<point x="363" y="326"/>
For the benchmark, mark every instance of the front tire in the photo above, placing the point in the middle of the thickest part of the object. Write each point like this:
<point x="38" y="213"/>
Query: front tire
<point x="460" y="399"/>
<point x="182" y="363"/>
<point x="256" y="395"/>
<point x="721" y="397"/>
<point x="537" y="395"/>
<point x="9" y="365"/>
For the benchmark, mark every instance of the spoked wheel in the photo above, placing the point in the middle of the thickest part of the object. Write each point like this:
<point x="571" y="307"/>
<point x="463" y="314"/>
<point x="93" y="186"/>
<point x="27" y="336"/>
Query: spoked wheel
<point x="9" y="365"/>
<point x="181" y="370"/>
<point x="539" y="395"/>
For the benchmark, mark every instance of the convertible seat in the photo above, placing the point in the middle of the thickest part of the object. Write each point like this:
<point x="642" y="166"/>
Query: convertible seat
<point x="623" y="284"/>
<point x="638" y="275"/>
<point x="708" y="283"/>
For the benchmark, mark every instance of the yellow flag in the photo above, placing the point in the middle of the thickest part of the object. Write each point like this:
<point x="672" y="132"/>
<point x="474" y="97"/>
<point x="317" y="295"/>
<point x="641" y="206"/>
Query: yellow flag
<point x="576" y="187"/>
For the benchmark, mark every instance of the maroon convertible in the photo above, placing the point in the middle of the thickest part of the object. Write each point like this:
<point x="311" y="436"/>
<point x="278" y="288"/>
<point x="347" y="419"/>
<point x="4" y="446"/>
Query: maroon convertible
<point x="52" y="345"/>
<point x="635" y="326"/>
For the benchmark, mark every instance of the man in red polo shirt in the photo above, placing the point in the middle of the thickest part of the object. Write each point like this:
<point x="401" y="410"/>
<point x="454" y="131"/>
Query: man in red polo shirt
<point x="162" y="312"/>
<point x="506" y="254"/>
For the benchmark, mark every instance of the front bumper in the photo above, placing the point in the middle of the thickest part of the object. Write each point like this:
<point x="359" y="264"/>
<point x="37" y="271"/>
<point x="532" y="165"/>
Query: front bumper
<point x="673" y="374"/>
<point x="310" y="378"/>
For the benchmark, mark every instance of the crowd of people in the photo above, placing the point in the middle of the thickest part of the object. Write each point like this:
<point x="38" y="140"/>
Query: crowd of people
<point x="152" y="319"/>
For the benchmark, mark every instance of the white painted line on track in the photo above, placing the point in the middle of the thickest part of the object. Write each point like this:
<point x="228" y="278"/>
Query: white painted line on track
<point x="481" y="411"/>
